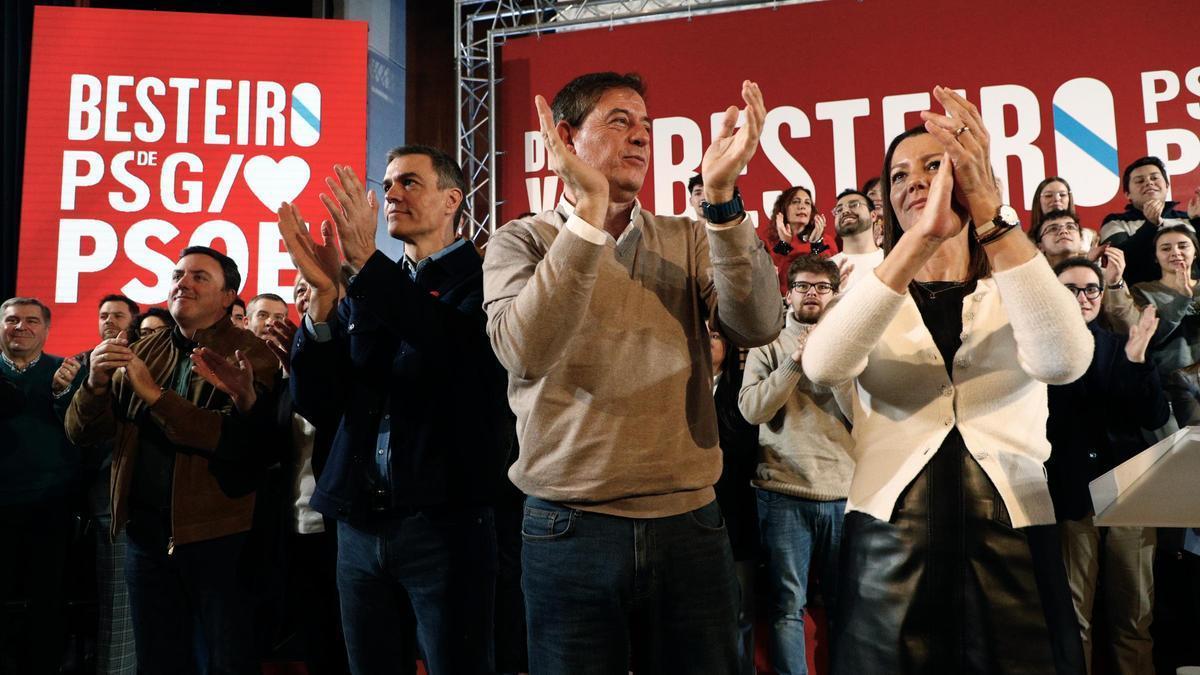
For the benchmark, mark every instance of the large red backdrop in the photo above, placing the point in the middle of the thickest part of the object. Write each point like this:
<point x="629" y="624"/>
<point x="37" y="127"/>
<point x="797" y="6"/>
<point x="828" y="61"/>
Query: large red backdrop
<point x="1073" y="88"/>
<point x="150" y="131"/>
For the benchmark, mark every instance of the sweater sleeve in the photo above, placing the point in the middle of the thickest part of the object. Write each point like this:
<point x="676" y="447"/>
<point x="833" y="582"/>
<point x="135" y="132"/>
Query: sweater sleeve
<point x="1119" y="309"/>
<point x="838" y="346"/>
<point x="535" y="304"/>
<point x="748" y="304"/>
<point x="767" y="384"/>
<point x="1053" y="343"/>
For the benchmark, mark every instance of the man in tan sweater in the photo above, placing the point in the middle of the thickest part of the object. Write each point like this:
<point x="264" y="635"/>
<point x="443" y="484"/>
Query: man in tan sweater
<point x="804" y="470"/>
<point x="597" y="309"/>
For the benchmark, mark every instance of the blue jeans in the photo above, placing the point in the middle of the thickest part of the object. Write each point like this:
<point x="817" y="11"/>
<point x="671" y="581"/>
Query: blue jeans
<point x="602" y="592"/>
<point x="193" y="611"/>
<point x="797" y="533"/>
<point x="433" y="571"/>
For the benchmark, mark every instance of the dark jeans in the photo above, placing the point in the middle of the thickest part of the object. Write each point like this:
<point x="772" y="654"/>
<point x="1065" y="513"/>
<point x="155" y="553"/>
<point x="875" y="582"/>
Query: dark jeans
<point x="798" y="535"/>
<point x="604" y="591"/>
<point x="193" y="610"/>
<point x="435" y="569"/>
<point x="31" y="580"/>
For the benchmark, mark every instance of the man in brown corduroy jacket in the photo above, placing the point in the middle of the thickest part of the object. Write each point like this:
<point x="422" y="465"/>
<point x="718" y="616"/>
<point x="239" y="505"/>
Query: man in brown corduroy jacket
<point x="186" y="458"/>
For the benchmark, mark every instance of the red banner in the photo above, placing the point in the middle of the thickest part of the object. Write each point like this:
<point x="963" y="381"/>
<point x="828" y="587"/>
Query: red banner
<point x="152" y="131"/>
<point x="1067" y="88"/>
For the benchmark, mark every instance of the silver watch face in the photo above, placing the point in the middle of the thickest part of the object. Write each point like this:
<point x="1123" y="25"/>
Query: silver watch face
<point x="1008" y="215"/>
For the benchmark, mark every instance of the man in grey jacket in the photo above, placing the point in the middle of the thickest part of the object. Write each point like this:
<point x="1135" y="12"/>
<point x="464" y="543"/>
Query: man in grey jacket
<point x="804" y="470"/>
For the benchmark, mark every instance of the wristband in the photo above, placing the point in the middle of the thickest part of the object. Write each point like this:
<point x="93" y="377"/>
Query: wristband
<point x="718" y="214"/>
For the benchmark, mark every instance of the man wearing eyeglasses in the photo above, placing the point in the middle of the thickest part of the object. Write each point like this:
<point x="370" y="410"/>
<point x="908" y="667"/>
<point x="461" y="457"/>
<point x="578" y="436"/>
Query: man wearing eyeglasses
<point x="803" y="473"/>
<point x="1058" y="238"/>
<point x="853" y="222"/>
<point x="1094" y="424"/>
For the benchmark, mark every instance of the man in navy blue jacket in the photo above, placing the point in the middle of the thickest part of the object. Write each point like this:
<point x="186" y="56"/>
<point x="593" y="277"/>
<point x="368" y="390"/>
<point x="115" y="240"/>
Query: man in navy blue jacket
<point x="1095" y="423"/>
<point x="403" y="368"/>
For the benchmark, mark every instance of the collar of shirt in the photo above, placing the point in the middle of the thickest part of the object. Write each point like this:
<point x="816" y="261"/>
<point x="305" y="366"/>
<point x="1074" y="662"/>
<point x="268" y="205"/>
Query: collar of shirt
<point x="567" y="209"/>
<point x="414" y="267"/>
<point x="12" y="365"/>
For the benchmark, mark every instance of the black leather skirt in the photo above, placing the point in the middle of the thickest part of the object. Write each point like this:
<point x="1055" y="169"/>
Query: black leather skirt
<point x="948" y="586"/>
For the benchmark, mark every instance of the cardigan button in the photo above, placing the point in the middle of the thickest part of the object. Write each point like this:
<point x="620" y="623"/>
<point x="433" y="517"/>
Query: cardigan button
<point x="981" y="456"/>
<point x="949" y="421"/>
<point x="947" y="390"/>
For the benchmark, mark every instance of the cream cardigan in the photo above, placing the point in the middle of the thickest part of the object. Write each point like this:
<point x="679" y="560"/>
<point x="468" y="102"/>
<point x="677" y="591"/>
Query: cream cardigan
<point x="1022" y="330"/>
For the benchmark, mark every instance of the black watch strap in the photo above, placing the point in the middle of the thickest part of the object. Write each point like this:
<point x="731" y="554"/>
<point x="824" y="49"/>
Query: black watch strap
<point x="718" y="214"/>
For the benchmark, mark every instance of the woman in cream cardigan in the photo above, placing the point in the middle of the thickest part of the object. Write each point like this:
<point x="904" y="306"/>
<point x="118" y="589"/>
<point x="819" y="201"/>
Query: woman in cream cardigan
<point x="951" y="563"/>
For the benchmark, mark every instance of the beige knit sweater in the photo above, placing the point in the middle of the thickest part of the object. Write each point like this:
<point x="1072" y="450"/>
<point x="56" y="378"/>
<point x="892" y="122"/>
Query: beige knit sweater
<point x="608" y="354"/>
<point x="803" y="436"/>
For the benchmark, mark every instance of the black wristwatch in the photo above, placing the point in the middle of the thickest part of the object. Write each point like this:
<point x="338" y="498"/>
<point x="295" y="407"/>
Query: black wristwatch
<point x="718" y="214"/>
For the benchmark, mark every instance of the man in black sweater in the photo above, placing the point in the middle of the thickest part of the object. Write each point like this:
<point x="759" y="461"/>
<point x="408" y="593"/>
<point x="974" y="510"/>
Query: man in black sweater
<point x="39" y="471"/>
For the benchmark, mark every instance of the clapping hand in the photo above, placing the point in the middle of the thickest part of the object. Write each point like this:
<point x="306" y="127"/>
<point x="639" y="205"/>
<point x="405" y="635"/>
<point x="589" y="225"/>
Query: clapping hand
<point x="1179" y="278"/>
<point x="1193" y="210"/>
<point x="845" y="269"/>
<point x="783" y="229"/>
<point x="138" y="376"/>
<point x="280" y="335"/>
<point x="319" y="263"/>
<point x="731" y="151"/>
<point x="107" y="357"/>
<point x="817" y="231"/>
<point x="355" y="214"/>
<point x="1115" y="259"/>
<point x="1153" y="210"/>
<point x="1140" y="334"/>
<point x="588" y="185"/>
<point x="967" y="144"/>
<point x="236" y="380"/>
<point x="938" y="221"/>
<point x="64" y="376"/>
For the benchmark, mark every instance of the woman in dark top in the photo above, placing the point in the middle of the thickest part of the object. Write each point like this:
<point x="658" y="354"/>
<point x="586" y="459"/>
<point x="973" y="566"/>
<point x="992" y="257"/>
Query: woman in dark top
<point x="951" y="562"/>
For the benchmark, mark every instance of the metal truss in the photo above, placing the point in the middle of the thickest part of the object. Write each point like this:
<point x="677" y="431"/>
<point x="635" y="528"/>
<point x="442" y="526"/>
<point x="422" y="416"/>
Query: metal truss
<point x="483" y="25"/>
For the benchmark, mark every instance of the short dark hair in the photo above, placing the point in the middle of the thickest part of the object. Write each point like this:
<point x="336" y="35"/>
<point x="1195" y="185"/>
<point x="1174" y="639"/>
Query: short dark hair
<point x="815" y="264"/>
<point x="134" y="310"/>
<point x="851" y="191"/>
<point x="1177" y="229"/>
<point x="158" y="312"/>
<point x="27" y="301"/>
<point x="1149" y="160"/>
<point x="449" y="173"/>
<point x="229" y="269"/>
<point x="694" y="181"/>
<point x="1035" y="232"/>
<point x="573" y="102"/>
<point x="1080" y="261"/>
<point x="869" y="185"/>
<point x="266" y="296"/>
<point x="238" y="302"/>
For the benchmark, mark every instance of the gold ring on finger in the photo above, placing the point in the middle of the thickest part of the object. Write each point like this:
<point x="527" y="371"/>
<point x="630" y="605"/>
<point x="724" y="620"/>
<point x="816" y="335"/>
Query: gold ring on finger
<point x="960" y="130"/>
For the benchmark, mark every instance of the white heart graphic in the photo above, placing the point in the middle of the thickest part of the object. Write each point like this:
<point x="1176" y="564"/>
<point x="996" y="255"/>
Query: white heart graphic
<point x="276" y="182"/>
